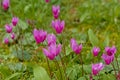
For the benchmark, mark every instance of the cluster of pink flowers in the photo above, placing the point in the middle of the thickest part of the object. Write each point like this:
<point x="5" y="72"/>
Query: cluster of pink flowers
<point x="52" y="49"/>
<point x="57" y="24"/>
<point x="40" y="36"/>
<point x="9" y="29"/>
<point x="107" y="56"/>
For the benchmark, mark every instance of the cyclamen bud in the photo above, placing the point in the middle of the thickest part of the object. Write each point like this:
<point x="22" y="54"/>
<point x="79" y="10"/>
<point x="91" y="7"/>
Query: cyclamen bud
<point x="6" y="40"/>
<point x="13" y="35"/>
<point x="58" y="26"/>
<point x="110" y="50"/>
<point x="52" y="51"/>
<point x="108" y="59"/>
<point x="95" y="51"/>
<point x="15" y="21"/>
<point x="8" y="28"/>
<point x="51" y="39"/>
<point x="96" y="68"/>
<point x="5" y="4"/>
<point x="47" y="1"/>
<point x="75" y="47"/>
<point x="55" y="11"/>
<point x="39" y="35"/>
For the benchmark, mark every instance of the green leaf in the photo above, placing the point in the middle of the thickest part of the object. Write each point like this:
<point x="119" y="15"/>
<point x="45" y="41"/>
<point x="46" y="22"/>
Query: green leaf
<point x="4" y="71"/>
<point x="22" y="24"/>
<point x="68" y="50"/>
<point x="106" y="41"/>
<point x="108" y="77"/>
<point x="85" y="77"/>
<point x="82" y="18"/>
<point x="27" y="8"/>
<point x="22" y="55"/>
<point x="40" y="73"/>
<point x="92" y="37"/>
<point x="12" y="76"/>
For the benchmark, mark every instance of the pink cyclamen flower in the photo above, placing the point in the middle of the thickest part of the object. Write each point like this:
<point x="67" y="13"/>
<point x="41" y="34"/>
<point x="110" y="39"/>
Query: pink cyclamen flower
<point x="5" y="4"/>
<point x="15" y="21"/>
<point x="47" y="1"/>
<point x="39" y="35"/>
<point x="95" y="51"/>
<point x="8" y="28"/>
<point x="96" y="68"/>
<point x="75" y="47"/>
<point x="52" y="51"/>
<point x="6" y="40"/>
<point x="110" y="50"/>
<point x="55" y="11"/>
<point x="12" y="35"/>
<point x="58" y="26"/>
<point x="51" y="39"/>
<point x="108" y="59"/>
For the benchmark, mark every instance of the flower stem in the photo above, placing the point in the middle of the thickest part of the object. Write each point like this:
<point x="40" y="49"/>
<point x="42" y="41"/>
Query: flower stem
<point x="64" y="46"/>
<point x="114" y="69"/>
<point x="58" y="67"/>
<point x="22" y="49"/>
<point x="49" y="68"/>
<point x="16" y="49"/>
<point x="64" y="67"/>
<point x="98" y="76"/>
<point x="117" y="63"/>
<point x="80" y="57"/>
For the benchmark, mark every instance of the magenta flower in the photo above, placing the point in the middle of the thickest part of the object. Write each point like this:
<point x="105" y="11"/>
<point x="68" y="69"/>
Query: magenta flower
<point x="51" y="39"/>
<point x="6" y="4"/>
<point x="108" y="59"/>
<point x="55" y="11"/>
<point x="110" y="51"/>
<point x="47" y="1"/>
<point x="95" y="51"/>
<point x="6" y="40"/>
<point x="58" y="26"/>
<point x="8" y="28"/>
<point x="39" y="35"/>
<point x="96" y="68"/>
<point x="15" y="21"/>
<point x="53" y="51"/>
<point x="75" y="47"/>
<point x="12" y="35"/>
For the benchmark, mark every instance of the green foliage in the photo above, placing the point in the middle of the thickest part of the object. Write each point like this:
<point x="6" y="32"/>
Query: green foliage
<point x="108" y="77"/>
<point x="90" y="22"/>
<point x="92" y="37"/>
<point x="4" y="72"/>
<point x="40" y="73"/>
<point x="106" y="41"/>
<point x="22" y="55"/>
<point x="11" y="77"/>
<point x="22" y="24"/>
